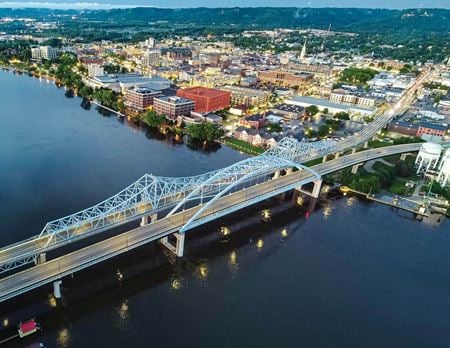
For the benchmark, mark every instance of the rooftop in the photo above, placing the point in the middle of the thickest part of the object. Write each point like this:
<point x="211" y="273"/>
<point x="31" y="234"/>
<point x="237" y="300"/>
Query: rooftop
<point x="204" y="91"/>
<point x="174" y="99"/>
<point x="327" y="104"/>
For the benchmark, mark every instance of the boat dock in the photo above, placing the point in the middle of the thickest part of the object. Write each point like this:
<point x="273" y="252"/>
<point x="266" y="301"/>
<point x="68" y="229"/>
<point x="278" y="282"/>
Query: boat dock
<point x="395" y="202"/>
<point x="119" y="114"/>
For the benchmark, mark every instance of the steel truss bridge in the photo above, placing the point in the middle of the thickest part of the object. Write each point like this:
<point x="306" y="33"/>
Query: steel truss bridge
<point x="150" y="195"/>
<point x="183" y="203"/>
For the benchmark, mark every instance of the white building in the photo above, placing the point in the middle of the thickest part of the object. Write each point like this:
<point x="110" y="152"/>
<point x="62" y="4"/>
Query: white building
<point x="151" y="58"/>
<point x="95" y="70"/>
<point x="43" y="52"/>
<point x="323" y="104"/>
<point x="151" y="42"/>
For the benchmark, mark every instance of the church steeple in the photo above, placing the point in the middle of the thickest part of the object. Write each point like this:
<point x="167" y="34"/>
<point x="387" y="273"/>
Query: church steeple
<point x="303" y="52"/>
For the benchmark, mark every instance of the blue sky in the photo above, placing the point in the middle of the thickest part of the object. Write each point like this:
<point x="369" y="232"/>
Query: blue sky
<point x="398" y="4"/>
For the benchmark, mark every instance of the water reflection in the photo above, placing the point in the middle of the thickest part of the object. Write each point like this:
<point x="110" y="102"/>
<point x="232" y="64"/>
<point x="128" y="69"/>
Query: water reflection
<point x="63" y="338"/>
<point x="202" y="270"/>
<point x="327" y="209"/>
<point x="52" y="301"/>
<point x="350" y="201"/>
<point x="119" y="275"/>
<point x="232" y="262"/>
<point x="177" y="283"/>
<point x="265" y="214"/>
<point x="123" y="311"/>
<point x="225" y="231"/>
<point x="260" y="244"/>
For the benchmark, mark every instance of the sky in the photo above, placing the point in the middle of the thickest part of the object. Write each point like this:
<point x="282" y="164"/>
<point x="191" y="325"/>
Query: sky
<point x="107" y="4"/>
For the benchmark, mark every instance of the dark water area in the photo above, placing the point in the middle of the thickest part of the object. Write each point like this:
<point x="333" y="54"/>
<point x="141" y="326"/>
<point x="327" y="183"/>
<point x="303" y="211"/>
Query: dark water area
<point x="351" y="273"/>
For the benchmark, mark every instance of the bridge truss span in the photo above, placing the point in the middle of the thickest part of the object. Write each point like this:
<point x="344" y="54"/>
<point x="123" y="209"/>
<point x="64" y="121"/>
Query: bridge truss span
<point x="150" y="194"/>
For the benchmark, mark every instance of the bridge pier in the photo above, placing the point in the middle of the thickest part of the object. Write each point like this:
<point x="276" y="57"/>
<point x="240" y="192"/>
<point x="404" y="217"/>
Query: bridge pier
<point x="57" y="288"/>
<point x="324" y="159"/>
<point x="178" y="248"/>
<point x="404" y="155"/>
<point x="356" y="167"/>
<point x="276" y="175"/>
<point x="353" y="150"/>
<point x="337" y="155"/>
<point x="315" y="191"/>
<point x="145" y="219"/>
<point x="41" y="258"/>
<point x="366" y="144"/>
<point x="289" y="170"/>
<point x="316" y="188"/>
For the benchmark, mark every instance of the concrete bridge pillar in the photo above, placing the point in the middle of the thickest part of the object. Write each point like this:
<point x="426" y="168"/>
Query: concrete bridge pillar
<point x="366" y="144"/>
<point x="145" y="219"/>
<point x="57" y="288"/>
<point x="353" y="150"/>
<point x="41" y="258"/>
<point x="178" y="248"/>
<point x="356" y="167"/>
<point x="316" y="188"/>
<point x="404" y="155"/>
<point x="337" y="155"/>
<point x="289" y="170"/>
<point x="324" y="159"/>
<point x="180" y="244"/>
<point x="276" y="175"/>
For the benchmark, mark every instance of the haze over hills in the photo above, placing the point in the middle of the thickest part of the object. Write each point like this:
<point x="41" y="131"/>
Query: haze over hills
<point x="108" y="4"/>
<point x="415" y="21"/>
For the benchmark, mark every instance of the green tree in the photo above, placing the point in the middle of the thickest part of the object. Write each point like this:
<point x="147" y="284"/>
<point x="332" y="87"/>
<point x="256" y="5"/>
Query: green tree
<point x="323" y="130"/>
<point x="86" y="92"/>
<point x="153" y="119"/>
<point x="312" y="110"/>
<point x="342" y="115"/>
<point x="357" y="76"/>
<point x="204" y="132"/>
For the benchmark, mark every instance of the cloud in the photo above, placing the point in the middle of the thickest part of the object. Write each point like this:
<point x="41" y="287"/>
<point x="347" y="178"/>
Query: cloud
<point x="65" y="5"/>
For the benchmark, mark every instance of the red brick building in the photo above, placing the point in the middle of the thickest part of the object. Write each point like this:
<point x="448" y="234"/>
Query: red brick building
<point x="206" y="99"/>
<point x="140" y="98"/>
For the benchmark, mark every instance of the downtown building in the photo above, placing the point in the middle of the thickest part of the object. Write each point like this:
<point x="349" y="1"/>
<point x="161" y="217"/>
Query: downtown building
<point x="173" y="107"/>
<point x="43" y="52"/>
<point x="285" y="78"/>
<point x="206" y="99"/>
<point x="247" y="96"/>
<point x="140" y="98"/>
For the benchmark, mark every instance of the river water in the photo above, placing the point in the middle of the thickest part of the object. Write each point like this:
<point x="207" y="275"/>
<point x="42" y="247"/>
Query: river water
<point x="351" y="273"/>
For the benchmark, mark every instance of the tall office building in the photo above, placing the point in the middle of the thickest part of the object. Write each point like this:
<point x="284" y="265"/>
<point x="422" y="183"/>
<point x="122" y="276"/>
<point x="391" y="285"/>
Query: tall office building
<point x="151" y="58"/>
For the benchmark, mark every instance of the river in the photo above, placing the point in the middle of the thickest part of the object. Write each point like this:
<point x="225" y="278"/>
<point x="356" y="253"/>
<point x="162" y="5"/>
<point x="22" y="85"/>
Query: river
<point x="351" y="273"/>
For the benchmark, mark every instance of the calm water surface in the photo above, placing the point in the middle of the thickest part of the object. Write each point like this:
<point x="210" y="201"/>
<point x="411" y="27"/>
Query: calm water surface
<point x="352" y="274"/>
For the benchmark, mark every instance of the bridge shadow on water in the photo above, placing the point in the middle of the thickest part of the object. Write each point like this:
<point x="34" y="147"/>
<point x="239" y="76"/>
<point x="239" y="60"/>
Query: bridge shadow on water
<point x="112" y="282"/>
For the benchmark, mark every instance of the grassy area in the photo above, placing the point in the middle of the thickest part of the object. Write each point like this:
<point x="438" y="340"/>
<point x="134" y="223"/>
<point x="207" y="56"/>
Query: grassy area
<point x="313" y="162"/>
<point x="243" y="146"/>
<point x="374" y="144"/>
<point x="398" y="187"/>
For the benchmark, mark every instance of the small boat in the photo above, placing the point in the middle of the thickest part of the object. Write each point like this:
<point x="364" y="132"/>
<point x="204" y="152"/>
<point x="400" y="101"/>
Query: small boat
<point x="28" y="327"/>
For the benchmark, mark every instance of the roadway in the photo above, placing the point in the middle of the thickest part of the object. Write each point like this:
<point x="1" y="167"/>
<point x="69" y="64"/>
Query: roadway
<point x="52" y="270"/>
